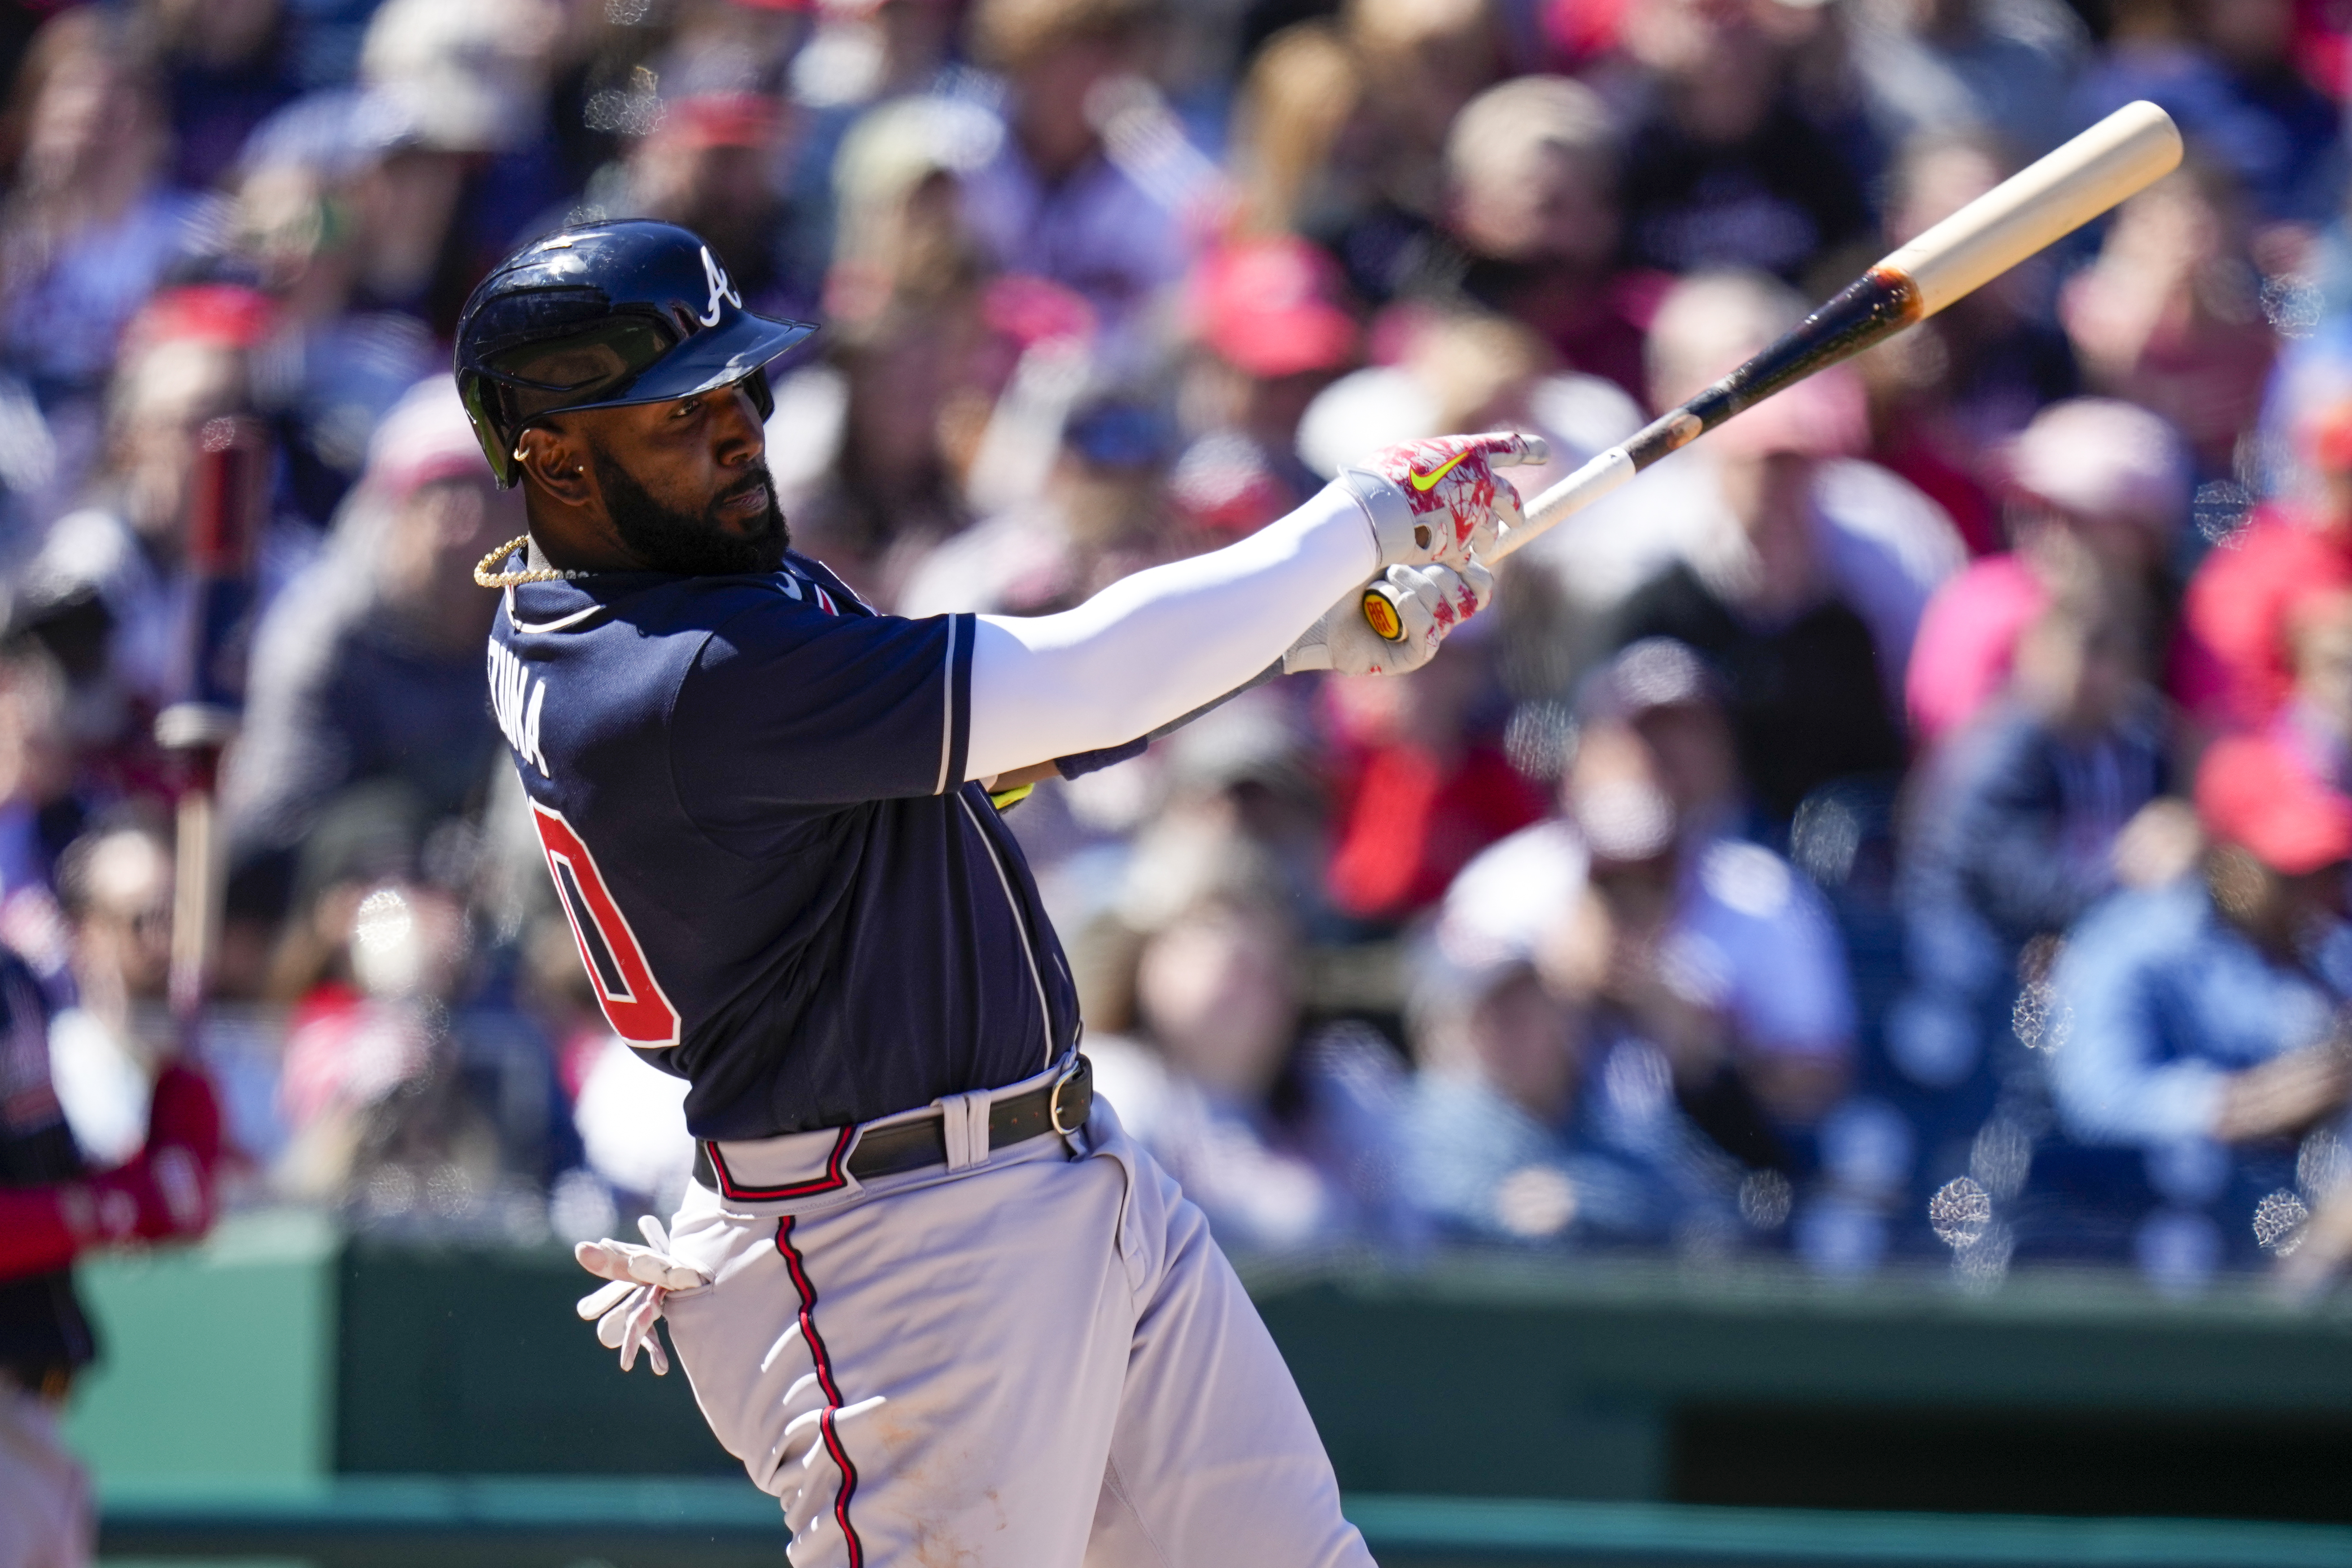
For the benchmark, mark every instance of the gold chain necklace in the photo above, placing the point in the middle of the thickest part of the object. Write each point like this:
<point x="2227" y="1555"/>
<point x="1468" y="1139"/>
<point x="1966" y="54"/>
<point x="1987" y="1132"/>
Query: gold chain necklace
<point x="490" y="579"/>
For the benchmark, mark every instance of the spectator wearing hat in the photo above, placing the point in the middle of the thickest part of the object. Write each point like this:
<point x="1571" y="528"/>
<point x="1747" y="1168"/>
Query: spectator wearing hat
<point x="1740" y="954"/>
<point x="710" y="165"/>
<point x="2201" y="1019"/>
<point x="369" y="667"/>
<point x="857" y="58"/>
<point x="472" y="76"/>
<point x="1485" y="1152"/>
<point x="2097" y="490"/>
<point x="1532" y="1118"/>
<point x="1275" y="328"/>
<point x="2236" y="614"/>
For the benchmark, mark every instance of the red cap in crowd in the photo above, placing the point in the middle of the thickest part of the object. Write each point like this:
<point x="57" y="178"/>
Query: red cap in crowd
<point x="2104" y="457"/>
<point x="423" y="437"/>
<point x="721" y="120"/>
<point x="1272" y="307"/>
<point x="223" y="315"/>
<point x="2251" y="792"/>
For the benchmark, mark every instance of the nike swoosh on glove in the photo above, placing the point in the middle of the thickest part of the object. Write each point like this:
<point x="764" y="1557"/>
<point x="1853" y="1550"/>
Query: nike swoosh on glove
<point x="1431" y="602"/>
<point x="1440" y="500"/>
<point x="627" y="1309"/>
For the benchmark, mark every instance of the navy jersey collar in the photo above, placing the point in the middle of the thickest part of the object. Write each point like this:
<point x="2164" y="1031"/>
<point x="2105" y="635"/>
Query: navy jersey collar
<point x="568" y="602"/>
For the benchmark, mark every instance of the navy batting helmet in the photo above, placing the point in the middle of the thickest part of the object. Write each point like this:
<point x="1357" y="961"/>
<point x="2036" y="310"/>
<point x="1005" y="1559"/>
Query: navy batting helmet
<point x="603" y="315"/>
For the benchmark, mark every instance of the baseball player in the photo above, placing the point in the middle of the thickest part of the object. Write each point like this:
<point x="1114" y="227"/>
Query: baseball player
<point x="923" y="1285"/>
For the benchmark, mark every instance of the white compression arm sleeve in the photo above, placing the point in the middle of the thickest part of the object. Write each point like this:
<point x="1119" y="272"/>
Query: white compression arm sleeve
<point x="1155" y="645"/>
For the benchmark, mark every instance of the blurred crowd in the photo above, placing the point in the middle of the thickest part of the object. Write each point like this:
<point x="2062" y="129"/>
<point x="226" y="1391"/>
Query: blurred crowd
<point x="1908" y="825"/>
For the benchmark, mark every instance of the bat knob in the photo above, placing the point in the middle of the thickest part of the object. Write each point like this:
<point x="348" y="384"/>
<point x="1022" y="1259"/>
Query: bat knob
<point x="1382" y="613"/>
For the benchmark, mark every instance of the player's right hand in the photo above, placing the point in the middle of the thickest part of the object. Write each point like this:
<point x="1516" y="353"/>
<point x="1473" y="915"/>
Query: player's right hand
<point x="1440" y="500"/>
<point x="627" y="1309"/>
<point x="1430" y="602"/>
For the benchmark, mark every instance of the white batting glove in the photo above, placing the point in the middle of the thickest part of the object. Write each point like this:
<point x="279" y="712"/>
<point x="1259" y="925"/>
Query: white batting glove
<point x="1440" y="499"/>
<point x="627" y="1309"/>
<point x="1430" y="602"/>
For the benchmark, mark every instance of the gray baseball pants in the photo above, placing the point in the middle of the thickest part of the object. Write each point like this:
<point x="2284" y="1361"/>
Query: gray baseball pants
<point x="1035" y="1358"/>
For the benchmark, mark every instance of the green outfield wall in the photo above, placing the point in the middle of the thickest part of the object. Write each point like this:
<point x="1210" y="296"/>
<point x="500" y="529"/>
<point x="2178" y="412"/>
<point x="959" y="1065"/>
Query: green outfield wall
<point x="283" y="1394"/>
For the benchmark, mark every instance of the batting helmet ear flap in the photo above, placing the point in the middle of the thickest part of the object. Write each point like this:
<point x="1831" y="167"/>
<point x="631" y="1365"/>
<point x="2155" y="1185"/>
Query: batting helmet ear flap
<point x="501" y="443"/>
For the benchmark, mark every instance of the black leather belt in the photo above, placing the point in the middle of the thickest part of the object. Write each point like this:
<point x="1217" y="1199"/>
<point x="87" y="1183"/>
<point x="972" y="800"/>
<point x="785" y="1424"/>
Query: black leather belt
<point x="1060" y="1107"/>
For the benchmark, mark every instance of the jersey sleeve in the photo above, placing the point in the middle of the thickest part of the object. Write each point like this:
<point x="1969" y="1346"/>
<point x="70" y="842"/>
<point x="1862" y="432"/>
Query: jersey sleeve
<point x="789" y="708"/>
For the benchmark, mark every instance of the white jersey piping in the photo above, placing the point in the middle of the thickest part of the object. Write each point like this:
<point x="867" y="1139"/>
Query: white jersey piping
<point x="947" y="713"/>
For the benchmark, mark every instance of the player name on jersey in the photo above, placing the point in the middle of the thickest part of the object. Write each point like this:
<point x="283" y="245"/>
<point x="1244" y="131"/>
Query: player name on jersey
<point x="518" y="698"/>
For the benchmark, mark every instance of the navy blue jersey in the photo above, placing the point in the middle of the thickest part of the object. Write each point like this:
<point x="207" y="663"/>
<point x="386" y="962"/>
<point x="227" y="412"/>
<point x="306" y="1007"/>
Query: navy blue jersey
<point x="750" y="792"/>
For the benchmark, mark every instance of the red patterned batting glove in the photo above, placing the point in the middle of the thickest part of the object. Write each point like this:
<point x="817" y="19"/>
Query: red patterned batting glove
<point x="1427" y="603"/>
<point x="1440" y="500"/>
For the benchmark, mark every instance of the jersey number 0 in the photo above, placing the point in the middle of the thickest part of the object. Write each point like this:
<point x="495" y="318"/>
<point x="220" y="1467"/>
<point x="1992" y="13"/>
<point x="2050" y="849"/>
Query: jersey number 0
<point x="633" y="1000"/>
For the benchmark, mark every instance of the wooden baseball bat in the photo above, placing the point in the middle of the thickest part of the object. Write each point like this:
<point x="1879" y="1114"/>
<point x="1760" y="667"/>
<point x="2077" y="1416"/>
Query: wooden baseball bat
<point x="2119" y="157"/>
<point x="229" y="496"/>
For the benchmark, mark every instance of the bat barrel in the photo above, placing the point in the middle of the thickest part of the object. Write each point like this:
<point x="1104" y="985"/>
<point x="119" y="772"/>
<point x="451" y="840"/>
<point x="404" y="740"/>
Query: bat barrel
<point x="2047" y="200"/>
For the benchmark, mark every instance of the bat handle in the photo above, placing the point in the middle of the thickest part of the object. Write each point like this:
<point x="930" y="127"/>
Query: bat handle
<point x="1609" y="471"/>
<point x="1383" y="610"/>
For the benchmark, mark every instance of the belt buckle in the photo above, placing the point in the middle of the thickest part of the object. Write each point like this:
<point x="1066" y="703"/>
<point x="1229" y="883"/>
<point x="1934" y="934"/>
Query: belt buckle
<point x="1053" y="1100"/>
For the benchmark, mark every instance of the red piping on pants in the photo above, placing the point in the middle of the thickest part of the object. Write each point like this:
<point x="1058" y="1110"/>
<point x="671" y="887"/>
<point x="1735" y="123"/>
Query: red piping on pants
<point x="833" y="1443"/>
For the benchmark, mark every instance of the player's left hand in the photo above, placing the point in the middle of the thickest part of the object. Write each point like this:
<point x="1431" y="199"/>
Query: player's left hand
<point x="1430" y="601"/>
<point x="642" y="1278"/>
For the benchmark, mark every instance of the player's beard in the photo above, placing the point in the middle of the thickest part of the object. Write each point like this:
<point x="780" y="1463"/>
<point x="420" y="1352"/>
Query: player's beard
<point x="668" y="540"/>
